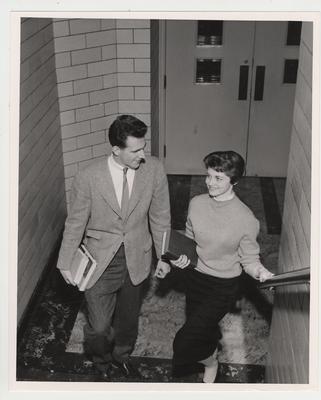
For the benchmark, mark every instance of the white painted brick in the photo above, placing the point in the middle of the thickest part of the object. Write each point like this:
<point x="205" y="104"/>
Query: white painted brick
<point x="91" y="112"/>
<point x="304" y="97"/>
<point x="133" y="23"/>
<point x="77" y="155"/>
<point x="65" y="89"/>
<point x="71" y="170"/>
<point x="63" y="60"/>
<point x="101" y="123"/>
<point x="124" y="35"/>
<point x="69" y="145"/>
<point x="86" y="56"/>
<point x="34" y="44"/>
<point x="108" y="24"/>
<point x="31" y="26"/>
<point x="125" y="65"/>
<point x="126" y="93"/>
<point x="134" y="79"/>
<point x="109" y="52"/>
<point x="142" y="93"/>
<point x="307" y="34"/>
<point x="142" y="65"/>
<point x="133" y="50"/>
<point x="300" y="241"/>
<point x="72" y="130"/>
<point x="88" y="85"/>
<point x="103" y="96"/>
<point x="69" y="43"/>
<point x="128" y="107"/>
<point x="91" y="139"/>
<point x="84" y="25"/>
<point x="102" y="68"/>
<point x="68" y="183"/>
<point x="61" y="28"/>
<point x="67" y="117"/>
<point x="305" y="64"/>
<point x="305" y="215"/>
<point x="296" y="186"/>
<point x="74" y="102"/>
<point x="99" y="150"/>
<point x="71" y="73"/>
<point x="302" y="130"/>
<point x="141" y="35"/>
<point x="101" y="38"/>
<point x="110" y="81"/>
<point x="85" y="164"/>
<point x="111" y="108"/>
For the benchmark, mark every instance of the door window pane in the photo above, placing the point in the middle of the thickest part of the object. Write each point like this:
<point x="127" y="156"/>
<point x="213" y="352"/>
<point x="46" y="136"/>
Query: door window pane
<point x="294" y="33"/>
<point x="290" y="71"/>
<point x="209" y="33"/>
<point x="208" y="70"/>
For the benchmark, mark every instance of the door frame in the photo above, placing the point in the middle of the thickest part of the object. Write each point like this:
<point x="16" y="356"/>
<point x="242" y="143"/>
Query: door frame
<point x="161" y="89"/>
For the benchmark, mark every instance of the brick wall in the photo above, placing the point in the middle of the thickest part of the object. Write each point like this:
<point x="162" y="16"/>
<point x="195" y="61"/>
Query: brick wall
<point x="41" y="176"/>
<point x="155" y="95"/>
<point x="103" y="70"/>
<point x="288" y="360"/>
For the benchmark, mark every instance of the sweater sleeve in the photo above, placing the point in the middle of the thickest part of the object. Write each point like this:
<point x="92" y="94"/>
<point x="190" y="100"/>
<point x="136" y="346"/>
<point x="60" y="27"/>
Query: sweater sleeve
<point x="189" y="227"/>
<point x="249" y="249"/>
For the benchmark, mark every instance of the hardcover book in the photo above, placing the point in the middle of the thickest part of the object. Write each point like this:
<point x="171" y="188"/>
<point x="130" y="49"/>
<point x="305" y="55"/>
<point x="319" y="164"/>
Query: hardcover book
<point x="82" y="267"/>
<point x="175" y="244"/>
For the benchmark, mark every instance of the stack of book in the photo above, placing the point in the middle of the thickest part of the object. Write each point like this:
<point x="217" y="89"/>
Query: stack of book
<point x="82" y="267"/>
<point x="175" y="244"/>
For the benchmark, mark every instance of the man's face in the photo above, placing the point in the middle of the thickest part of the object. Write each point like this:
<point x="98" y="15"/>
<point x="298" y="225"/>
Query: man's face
<point x="132" y="155"/>
<point x="218" y="183"/>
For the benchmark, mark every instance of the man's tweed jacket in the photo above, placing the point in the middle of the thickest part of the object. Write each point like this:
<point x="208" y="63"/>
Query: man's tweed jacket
<point x="94" y="217"/>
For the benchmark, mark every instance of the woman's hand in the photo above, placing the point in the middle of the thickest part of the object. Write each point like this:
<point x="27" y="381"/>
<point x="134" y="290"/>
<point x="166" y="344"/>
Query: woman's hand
<point x="264" y="274"/>
<point x="162" y="269"/>
<point x="258" y="272"/>
<point x="181" y="262"/>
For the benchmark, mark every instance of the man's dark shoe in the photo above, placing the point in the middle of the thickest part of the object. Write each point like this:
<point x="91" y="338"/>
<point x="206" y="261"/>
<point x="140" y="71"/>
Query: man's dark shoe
<point x="104" y="370"/>
<point x="127" y="369"/>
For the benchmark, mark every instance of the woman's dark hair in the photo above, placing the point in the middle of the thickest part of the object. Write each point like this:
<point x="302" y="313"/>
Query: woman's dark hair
<point x="124" y="126"/>
<point x="229" y="162"/>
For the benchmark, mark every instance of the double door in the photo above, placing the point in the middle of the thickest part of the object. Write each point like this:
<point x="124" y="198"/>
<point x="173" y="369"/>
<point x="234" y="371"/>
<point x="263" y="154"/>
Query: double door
<point x="230" y="85"/>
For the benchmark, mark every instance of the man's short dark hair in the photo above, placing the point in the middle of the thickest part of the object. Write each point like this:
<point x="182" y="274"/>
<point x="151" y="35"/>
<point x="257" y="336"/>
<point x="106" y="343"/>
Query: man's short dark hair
<point x="124" y="126"/>
<point x="229" y="162"/>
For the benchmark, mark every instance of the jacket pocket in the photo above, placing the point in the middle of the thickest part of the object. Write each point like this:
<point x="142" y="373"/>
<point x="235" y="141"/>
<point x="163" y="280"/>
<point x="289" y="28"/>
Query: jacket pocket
<point x="93" y="234"/>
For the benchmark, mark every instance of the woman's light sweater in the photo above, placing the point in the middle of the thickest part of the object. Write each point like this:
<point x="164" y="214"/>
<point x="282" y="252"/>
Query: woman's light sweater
<point x="225" y="233"/>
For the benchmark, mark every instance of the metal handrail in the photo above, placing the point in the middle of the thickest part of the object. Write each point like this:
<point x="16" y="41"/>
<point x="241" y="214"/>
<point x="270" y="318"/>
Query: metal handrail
<point x="295" y="277"/>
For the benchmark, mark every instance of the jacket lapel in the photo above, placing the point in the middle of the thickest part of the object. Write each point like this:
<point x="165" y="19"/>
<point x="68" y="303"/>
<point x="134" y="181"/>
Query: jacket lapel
<point x="140" y="180"/>
<point x="106" y="187"/>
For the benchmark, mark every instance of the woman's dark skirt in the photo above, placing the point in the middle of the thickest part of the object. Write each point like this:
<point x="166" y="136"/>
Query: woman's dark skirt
<point x="208" y="300"/>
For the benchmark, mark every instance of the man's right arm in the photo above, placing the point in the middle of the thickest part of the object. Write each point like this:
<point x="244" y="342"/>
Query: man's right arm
<point x="75" y="225"/>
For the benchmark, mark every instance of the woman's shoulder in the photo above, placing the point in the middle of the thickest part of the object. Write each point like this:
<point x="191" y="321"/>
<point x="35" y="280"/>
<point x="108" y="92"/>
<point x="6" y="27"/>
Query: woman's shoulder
<point x="243" y="209"/>
<point x="199" y="199"/>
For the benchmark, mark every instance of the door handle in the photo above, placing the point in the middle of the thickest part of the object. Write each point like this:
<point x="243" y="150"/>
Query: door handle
<point x="259" y="83"/>
<point x="243" y="82"/>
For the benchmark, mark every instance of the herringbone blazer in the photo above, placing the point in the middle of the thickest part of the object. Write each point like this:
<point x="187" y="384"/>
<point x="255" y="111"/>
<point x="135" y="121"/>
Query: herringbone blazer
<point x="94" y="217"/>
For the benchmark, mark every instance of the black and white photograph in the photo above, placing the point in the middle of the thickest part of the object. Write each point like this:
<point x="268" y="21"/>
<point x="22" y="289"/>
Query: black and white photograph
<point x="165" y="214"/>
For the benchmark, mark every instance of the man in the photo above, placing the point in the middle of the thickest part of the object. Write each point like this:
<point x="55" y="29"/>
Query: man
<point x="116" y="204"/>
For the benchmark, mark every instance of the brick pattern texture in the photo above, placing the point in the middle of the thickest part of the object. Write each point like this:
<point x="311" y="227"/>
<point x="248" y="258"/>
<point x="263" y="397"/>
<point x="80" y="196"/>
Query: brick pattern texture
<point x="103" y="70"/>
<point x="288" y="356"/>
<point x="41" y="174"/>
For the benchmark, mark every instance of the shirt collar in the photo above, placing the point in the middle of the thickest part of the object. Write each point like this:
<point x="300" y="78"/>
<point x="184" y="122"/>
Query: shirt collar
<point x="114" y="163"/>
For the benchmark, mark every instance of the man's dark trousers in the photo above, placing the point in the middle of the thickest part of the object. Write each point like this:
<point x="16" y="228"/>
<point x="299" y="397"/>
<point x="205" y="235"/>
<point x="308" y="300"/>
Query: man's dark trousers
<point x="113" y="305"/>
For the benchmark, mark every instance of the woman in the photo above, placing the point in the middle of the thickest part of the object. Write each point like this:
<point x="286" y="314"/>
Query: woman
<point x="225" y="232"/>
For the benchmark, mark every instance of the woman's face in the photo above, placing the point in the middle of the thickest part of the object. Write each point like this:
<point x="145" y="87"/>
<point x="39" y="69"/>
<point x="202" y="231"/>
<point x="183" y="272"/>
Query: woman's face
<point x="218" y="184"/>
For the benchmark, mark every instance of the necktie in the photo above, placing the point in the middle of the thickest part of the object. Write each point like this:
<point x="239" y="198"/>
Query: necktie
<point x="125" y="195"/>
